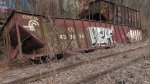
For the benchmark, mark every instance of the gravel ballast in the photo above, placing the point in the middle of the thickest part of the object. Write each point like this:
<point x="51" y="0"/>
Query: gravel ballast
<point x="79" y="74"/>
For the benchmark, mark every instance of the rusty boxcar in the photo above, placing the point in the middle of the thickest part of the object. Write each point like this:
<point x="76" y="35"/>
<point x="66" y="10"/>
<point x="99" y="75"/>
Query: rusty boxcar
<point x="30" y="35"/>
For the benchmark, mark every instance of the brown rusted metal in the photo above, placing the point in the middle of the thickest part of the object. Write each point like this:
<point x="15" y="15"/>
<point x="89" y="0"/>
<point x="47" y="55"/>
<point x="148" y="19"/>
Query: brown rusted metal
<point x="80" y="32"/>
<point x="18" y="36"/>
<point x="67" y="35"/>
<point x="71" y="33"/>
<point x="76" y="33"/>
<point x="80" y="28"/>
<point x="8" y="52"/>
<point x="85" y="35"/>
<point x="73" y="43"/>
<point x="20" y="56"/>
<point x="55" y="32"/>
<point x="135" y="19"/>
<point x="86" y="26"/>
<point x="99" y="10"/>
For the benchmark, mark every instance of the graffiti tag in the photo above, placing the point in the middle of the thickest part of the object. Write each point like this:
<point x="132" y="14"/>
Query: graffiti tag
<point x="134" y="35"/>
<point x="100" y="35"/>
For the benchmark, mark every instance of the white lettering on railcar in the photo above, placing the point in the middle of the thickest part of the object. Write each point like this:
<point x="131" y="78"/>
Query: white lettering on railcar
<point x="70" y="29"/>
<point x="30" y="17"/>
<point x="63" y="37"/>
<point x="81" y="36"/>
<point x="72" y="36"/>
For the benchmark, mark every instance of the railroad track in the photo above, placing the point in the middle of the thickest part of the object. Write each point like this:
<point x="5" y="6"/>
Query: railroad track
<point x="91" y="78"/>
<point x="88" y="79"/>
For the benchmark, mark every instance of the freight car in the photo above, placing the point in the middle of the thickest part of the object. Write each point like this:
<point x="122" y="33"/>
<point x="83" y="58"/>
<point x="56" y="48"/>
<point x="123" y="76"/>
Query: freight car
<point x="31" y="36"/>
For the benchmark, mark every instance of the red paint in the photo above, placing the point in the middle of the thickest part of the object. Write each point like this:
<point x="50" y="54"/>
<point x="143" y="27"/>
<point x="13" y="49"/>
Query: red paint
<point x="86" y="26"/>
<point x="71" y="35"/>
<point x="126" y="30"/>
<point x="117" y="33"/>
<point x="81" y="35"/>
<point x="122" y="34"/>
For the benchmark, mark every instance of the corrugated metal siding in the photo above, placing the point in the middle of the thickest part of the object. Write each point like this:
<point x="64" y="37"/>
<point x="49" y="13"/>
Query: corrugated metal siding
<point x="64" y="34"/>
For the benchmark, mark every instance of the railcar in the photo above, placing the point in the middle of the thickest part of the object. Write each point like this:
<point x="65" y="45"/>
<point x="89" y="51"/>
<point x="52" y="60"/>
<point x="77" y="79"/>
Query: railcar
<point x="102" y="25"/>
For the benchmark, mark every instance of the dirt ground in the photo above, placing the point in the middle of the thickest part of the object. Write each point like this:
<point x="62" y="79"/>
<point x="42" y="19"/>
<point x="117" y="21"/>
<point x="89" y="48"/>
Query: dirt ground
<point x="19" y="72"/>
<point x="138" y="73"/>
<point x="78" y="74"/>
